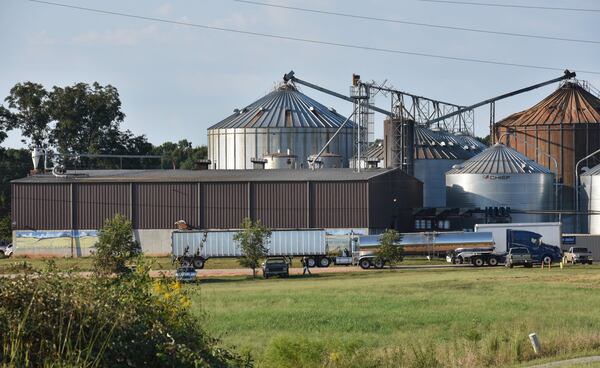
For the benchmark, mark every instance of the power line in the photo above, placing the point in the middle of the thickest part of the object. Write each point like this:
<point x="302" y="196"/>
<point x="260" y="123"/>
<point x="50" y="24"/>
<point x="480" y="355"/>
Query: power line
<point x="398" y="21"/>
<point x="512" y="6"/>
<point x="313" y="41"/>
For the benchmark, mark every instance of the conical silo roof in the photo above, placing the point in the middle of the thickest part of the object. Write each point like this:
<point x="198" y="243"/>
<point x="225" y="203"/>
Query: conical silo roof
<point x="499" y="159"/>
<point x="569" y="104"/>
<point x="285" y="107"/>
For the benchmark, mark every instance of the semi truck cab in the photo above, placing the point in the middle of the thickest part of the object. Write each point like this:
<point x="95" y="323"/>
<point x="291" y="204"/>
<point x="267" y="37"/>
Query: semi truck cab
<point x="540" y="252"/>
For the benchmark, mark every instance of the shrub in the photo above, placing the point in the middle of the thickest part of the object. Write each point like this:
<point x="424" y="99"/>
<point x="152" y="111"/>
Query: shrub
<point x="252" y="239"/>
<point x="59" y="319"/>
<point x="115" y="246"/>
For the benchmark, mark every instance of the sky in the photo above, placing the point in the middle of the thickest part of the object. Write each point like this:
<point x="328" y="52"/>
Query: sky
<point x="175" y="81"/>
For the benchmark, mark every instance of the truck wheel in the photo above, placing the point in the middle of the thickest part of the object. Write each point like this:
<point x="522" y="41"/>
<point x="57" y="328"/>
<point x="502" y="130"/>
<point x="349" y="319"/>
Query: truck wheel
<point x="458" y="260"/>
<point x="493" y="261"/>
<point x="198" y="263"/>
<point x="324" y="262"/>
<point x="365" y="264"/>
<point x="478" y="262"/>
<point x="379" y="264"/>
<point x="547" y="260"/>
<point x="511" y="265"/>
<point x="311" y="262"/>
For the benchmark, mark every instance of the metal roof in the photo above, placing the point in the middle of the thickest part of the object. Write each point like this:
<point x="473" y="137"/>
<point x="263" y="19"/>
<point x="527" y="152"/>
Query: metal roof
<point x="325" y="174"/>
<point x="571" y="103"/>
<point x="285" y="107"/>
<point x="431" y="145"/>
<point x="499" y="159"/>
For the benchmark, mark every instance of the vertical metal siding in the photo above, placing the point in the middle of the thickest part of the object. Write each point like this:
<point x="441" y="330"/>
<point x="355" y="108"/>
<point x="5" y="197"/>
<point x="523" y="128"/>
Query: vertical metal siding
<point x="384" y="212"/>
<point x="223" y="205"/>
<point x="280" y="205"/>
<point x="96" y="202"/>
<point x="160" y="205"/>
<point x="339" y="204"/>
<point x="41" y="206"/>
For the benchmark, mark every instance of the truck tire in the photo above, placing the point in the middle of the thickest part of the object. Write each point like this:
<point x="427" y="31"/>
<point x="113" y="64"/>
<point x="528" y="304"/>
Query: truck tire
<point x="458" y="260"/>
<point x="478" y="262"/>
<point x="311" y="262"/>
<point x="198" y="263"/>
<point x="324" y="262"/>
<point x="379" y="264"/>
<point x="546" y="259"/>
<point x="493" y="261"/>
<point x="365" y="264"/>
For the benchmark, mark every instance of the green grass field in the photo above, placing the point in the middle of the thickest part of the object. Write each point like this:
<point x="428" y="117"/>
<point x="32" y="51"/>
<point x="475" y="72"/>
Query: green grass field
<point x="419" y="318"/>
<point x="14" y="264"/>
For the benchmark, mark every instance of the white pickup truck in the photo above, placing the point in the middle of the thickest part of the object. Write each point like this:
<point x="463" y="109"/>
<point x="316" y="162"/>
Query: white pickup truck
<point x="578" y="255"/>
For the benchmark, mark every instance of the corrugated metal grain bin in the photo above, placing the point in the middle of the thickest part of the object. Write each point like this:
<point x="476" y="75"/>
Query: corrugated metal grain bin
<point x="216" y="244"/>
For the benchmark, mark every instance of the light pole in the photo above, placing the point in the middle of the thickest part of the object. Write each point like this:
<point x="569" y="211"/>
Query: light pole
<point x="577" y="187"/>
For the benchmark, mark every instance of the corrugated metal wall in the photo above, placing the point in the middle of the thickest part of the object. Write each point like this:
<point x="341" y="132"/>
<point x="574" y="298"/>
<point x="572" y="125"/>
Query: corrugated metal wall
<point x="159" y="205"/>
<point x="339" y="204"/>
<point x="95" y="202"/>
<point x="224" y="205"/>
<point x="44" y="207"/>
<point x="281" y="205"/>
<point x="384" y="212"/>
<point x="335" y="204"/>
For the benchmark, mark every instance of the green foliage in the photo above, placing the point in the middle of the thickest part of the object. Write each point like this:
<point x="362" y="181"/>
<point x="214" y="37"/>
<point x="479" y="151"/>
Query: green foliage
<point x="116" y="246"/>
<point x="180" y="155"/>
<point x="5" y="228"/>
<point x="252" y="239"/>
<point x="30" y="112"/>
<point x="14" y="163"/>
<point x="59" y="319"/>
<point x="390" y="250"/>
<point x="294" y="352"/>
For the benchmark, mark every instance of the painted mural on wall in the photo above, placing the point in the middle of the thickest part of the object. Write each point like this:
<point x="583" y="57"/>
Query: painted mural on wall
<point x="52" y="239"/>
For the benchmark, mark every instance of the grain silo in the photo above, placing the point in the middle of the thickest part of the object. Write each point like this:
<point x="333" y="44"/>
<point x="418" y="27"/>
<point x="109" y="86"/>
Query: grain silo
<point x="434" y="153"/>
<point x="283" y="120"/>
<point x="502" y="177"/>
<point x="558" y="132"/>
<point x="589" y="200"/>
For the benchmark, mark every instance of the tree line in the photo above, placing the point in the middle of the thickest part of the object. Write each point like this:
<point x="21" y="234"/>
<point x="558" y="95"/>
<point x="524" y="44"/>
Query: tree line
<point x="77" y="119"/>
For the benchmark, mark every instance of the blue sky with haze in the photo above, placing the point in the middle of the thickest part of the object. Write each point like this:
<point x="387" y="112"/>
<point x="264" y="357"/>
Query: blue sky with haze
<point x="176" y="81"/>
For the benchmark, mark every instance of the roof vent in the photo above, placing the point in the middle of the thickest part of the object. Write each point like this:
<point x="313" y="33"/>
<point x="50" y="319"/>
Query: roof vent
<point x="332" y="109"/>
<point x="312" y="108"/>
<point x="466" y="147"/>
<point x="457" y="166"/>
<point x="236" y="111"/>
<point x="443" y="144"/>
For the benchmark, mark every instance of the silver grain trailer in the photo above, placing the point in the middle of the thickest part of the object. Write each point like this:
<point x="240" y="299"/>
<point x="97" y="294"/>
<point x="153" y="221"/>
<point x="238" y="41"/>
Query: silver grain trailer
<point x="195" y="247"/>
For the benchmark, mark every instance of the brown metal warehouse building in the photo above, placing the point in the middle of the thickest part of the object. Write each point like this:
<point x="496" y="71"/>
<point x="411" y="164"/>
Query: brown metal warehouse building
<point x="59" y="215"/>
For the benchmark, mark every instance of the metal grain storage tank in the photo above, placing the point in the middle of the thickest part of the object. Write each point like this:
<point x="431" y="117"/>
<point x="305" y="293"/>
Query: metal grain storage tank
<point x="589" y="200"/>
<point x="502" y="177"/>
<point x="327" y="161"/>
<point x="283" y="119"/>
<point x="280" y="160"/>
<point x="564" y="125"/>
<point x="435" y="152"/>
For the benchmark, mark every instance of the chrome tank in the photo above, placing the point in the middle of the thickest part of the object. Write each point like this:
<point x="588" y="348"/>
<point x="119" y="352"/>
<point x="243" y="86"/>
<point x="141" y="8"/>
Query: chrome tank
<point x="589" y="200"/>
<point x="502" y="177"/>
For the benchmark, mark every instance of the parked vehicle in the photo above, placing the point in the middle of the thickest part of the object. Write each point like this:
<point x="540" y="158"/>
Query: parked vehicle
<point x="578" y="255"/>
<point x="541" y="239"/>
<point x="549" y="231"/>
<point x="519" y="257"/>
<point x="275" y="266"/>
<point x="185" y="274"/>
<point x="478" y="257"/>
<point x="196" y="247"/>
<point x="6" y="250"/>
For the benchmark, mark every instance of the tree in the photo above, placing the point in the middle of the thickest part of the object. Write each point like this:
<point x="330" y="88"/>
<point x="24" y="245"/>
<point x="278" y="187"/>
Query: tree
<point x="115" y="246"/>
<point x="390" y="250"/>
<point x="252" y="239"/>
<point x="181" y="155"/>
<point x="30" y="112"/>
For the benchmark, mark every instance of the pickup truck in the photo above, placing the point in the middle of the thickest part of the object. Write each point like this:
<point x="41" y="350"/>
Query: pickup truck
<point x="578" y="255"/>
<point x="519" y="257"/>
<point x="275" y="266"/>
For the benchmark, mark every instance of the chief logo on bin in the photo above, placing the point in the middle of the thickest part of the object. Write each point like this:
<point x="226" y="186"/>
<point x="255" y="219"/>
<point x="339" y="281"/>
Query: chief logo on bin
<point x="496" y="177"/>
